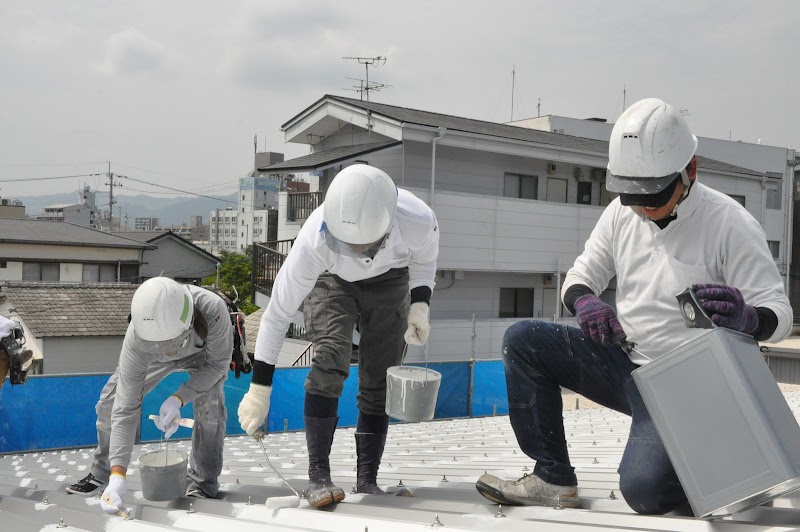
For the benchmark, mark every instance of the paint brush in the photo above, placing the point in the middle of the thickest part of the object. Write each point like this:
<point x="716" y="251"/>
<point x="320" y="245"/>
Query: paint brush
<point x="120" y="512"/>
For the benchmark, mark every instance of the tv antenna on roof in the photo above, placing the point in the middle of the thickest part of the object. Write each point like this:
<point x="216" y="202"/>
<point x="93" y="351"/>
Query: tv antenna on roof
<point x="368" y="62"/>
<point x="365" y="88"/>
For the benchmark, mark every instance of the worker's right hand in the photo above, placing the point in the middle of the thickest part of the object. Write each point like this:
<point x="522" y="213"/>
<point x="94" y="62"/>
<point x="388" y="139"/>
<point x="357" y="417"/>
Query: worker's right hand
<point x="114" y="494"/>
<point x="254" y="407"/>
<point x="598" y="321"/>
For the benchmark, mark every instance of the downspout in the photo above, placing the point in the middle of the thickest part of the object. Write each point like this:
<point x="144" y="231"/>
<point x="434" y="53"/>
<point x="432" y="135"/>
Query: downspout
<point x="763" y="200"/>
<point x="557" y="317"/>
<point x="789" y="184"/>
<point x="438" y="137"/>
<point x="403" y="156"/>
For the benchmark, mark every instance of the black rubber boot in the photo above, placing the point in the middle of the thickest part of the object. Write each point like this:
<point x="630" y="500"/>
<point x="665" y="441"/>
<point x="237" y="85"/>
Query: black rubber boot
<point x="369" y="448"/>
<point x="319" y="437"/>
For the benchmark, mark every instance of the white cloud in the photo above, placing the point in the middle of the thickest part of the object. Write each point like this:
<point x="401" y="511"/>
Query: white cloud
<point x="131" y="52"/>
<point x="286" y="47"/>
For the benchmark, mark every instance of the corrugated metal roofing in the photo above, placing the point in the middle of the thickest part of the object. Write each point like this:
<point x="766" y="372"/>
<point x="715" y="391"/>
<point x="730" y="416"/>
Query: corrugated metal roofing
<point x="71" y="309"/>
<point x="28" y="231"/>
<point x="439" y="461"/>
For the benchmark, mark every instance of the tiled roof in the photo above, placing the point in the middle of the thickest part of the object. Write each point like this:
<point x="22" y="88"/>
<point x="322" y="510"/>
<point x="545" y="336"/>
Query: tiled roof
<point x="49" y="232"/>
<point x="331" y="156"/>
<point x="71" y="309"/>
<point x="438" y="461"/>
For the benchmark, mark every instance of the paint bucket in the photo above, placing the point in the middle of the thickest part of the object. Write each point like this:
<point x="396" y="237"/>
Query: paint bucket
<point x="411" y="392"/>
<point x="163" y="474"/>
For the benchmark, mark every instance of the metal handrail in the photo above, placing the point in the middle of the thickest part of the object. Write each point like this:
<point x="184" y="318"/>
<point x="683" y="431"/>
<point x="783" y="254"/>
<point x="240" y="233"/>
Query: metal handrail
<point x="305" y="357"/>
<point x="300" y="205"/>
<point x="268" y="257"/>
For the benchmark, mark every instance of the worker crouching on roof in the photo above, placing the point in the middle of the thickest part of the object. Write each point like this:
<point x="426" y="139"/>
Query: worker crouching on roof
<point x="173" y="327"/>
<point x="361" y="255"/>
<point x="665" y="232"/>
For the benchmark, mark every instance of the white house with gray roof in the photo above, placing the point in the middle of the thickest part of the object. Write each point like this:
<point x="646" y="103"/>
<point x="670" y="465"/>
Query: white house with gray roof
<point x="41" y="250"/>
<point x="515" y="207"/>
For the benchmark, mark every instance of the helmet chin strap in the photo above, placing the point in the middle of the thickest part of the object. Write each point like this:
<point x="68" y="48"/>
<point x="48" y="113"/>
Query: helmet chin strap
<point x="687" y="184"/>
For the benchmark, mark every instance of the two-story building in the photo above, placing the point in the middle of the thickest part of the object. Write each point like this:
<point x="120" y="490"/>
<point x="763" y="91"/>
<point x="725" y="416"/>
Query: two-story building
<point x="41" y="250"/>
<point x="515" y="206"/>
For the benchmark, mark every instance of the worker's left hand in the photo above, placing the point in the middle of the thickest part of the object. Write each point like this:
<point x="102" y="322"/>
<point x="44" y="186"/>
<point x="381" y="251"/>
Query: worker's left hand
<point x="725" y="304"/>
<point x="418" y="326"/>
<point x="170" y="411"/>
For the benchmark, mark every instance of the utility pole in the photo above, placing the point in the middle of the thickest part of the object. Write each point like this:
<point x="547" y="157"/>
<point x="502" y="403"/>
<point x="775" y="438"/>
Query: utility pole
<point x="539" y="108"/>
<point x="513" y="80"/>
<point x="111" y="200"/>
<point x="624" y="97"/>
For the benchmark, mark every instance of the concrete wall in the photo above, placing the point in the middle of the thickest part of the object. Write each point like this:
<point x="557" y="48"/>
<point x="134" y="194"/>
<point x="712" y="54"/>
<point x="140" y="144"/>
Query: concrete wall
<point x="176" y="261"/>
<point x="70" y="253"/>
<point x="81" y="354"/>
<point x="12" y="271"/>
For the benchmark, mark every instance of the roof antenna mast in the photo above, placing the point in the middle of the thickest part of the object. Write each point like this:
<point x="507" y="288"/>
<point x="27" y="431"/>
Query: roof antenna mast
<point x="366" y="87"/>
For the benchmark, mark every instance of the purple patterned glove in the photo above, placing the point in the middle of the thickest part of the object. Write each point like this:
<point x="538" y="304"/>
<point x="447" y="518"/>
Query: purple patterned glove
<point x="726" y="307"/>
<point x="598" y="320"/>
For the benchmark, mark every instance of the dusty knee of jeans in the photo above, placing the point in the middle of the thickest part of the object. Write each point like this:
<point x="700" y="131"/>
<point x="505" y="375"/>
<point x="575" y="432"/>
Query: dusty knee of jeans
<point x="210" y="408"/>
<point x="520" y="338"/>
<point x="644" y="494"/>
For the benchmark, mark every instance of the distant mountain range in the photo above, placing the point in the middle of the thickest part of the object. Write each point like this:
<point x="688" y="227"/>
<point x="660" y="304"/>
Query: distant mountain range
<point x="169" y="211"/>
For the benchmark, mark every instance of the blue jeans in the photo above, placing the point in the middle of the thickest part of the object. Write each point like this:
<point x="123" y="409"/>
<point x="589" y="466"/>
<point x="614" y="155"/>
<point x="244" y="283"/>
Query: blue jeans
<point x="541" y="357"/>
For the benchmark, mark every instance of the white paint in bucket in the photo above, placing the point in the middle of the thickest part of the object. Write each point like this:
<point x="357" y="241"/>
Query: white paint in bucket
<point x="163" y="474"/>
<point x="411" y="392"/>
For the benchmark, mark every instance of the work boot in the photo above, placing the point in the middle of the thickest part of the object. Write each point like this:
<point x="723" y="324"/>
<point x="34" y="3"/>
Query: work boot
<point x="369" y="449"/>
<point x="319" y="437"/>
<point x="530" y="490"/>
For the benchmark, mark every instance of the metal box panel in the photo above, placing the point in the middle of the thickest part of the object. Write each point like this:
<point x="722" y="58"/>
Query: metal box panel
<point x="725" y="424"/>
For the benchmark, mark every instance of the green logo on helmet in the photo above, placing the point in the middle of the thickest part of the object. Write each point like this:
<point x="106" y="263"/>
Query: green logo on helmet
<point x="186" y="306"/>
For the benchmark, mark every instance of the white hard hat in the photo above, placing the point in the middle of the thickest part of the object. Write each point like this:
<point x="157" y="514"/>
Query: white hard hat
<point x="650" y="146"/>
<point x="360" y="205"/>
<point x="161" y="310"/>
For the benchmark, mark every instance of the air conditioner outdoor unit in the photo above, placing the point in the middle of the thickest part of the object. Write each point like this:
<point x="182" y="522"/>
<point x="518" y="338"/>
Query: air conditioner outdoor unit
<point x="551" y="168"/>
<point x="577" y="172"/>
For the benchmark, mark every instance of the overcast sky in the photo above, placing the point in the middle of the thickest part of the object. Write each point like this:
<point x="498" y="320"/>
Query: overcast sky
<point x="174" y="91"/>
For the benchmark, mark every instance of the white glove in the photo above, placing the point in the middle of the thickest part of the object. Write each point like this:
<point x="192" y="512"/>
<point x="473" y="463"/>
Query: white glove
<point x="112" y="498"/>
<point x="418" y="326"/>
<point x="170" y="410"/>
<point x="254" y="407"/>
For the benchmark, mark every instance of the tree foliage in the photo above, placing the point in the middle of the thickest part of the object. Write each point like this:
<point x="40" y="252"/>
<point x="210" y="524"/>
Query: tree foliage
<point x="235" y="271"/>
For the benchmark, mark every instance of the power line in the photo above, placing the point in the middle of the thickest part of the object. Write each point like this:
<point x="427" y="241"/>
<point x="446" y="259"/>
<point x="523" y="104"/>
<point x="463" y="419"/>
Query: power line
<point x="9" y="165"/>
<point x="173" y="189"/>
<point x="18" y="179"/>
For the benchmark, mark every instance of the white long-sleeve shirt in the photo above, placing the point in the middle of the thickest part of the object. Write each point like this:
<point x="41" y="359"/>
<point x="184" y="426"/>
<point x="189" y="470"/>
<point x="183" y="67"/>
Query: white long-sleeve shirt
<point x="712" y="240"/>
<point x="413" y="241"/>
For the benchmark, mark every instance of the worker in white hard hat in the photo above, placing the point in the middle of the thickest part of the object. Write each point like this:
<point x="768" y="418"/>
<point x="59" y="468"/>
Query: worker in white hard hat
<point x="665" y="232"/>
<point x="173" y="328"/>
<point x="368" y="253"/>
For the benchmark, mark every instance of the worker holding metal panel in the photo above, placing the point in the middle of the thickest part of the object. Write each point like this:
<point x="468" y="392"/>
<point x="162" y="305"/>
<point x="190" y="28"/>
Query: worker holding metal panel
<point x="665" y="232"/>
<point x="367" y="253"/>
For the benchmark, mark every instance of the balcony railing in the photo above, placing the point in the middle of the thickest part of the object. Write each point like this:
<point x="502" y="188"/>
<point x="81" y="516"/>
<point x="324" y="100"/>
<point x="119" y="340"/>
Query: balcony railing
<point x="300" y="205"/>
<point x="268" y="257"/>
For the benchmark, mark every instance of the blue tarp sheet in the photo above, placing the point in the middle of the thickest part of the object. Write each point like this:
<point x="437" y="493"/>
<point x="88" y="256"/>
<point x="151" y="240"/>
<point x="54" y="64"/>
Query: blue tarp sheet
<point x="55" y="412"/>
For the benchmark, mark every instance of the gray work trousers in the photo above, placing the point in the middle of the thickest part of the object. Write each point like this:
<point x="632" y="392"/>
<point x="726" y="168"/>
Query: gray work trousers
<point x="331" y="310"/>
<point x="208" y="434"/>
